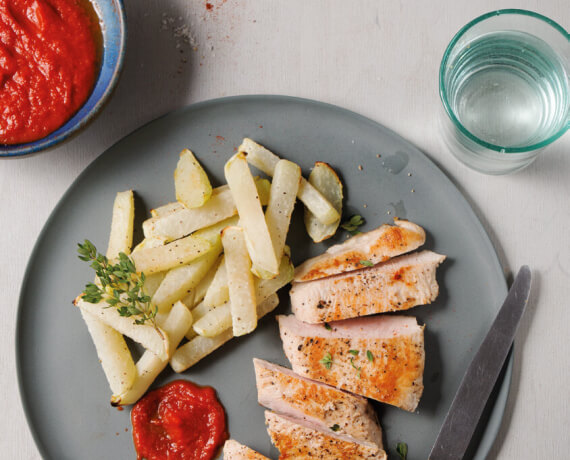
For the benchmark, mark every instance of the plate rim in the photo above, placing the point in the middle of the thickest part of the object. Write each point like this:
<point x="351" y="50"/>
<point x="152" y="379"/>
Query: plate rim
<point x="496" y="415"/>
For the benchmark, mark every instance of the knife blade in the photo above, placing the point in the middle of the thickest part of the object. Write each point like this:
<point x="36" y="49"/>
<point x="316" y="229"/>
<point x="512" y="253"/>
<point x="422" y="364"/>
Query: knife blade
<point x="478" y="382"/>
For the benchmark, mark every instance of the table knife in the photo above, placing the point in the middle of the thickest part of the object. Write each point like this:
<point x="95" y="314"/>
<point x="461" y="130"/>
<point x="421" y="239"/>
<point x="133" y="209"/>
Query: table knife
<point x="478" y="382"/>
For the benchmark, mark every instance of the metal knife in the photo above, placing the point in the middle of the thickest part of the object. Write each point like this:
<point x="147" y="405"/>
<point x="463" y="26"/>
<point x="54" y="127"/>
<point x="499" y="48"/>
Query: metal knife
<point x="478" y="382"/>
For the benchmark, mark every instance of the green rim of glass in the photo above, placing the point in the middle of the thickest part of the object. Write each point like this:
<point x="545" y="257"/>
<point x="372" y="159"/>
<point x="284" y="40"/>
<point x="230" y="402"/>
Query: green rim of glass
<point x="443" y="95"/>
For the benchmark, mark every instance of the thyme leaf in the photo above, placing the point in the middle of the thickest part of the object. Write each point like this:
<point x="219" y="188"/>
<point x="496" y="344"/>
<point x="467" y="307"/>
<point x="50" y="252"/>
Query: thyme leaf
<point x="358" y="369"/>
<point x="327" y="360"/>
<point x="402" y="449"/>
<point x="352" y="224"/>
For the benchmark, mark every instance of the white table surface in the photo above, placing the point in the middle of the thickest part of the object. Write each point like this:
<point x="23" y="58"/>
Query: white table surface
<point x="378" y="58"/>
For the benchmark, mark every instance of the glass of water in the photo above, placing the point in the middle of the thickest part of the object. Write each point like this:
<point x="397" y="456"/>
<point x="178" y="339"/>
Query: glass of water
<point x="504" y="84"/>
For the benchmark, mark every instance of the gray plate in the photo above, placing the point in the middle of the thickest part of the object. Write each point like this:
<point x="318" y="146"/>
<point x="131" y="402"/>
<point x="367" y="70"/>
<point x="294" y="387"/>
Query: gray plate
<point x="63" y="389"/>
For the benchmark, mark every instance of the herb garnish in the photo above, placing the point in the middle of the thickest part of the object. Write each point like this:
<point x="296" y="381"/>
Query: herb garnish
<point x="358" y="369"/>
<point x="327" y="360"/>
<point x="354" y="352"/>
<point x="121" y="286"/>
<point x="366" y="263"/>
<point x="352" y="224"/>
<point x="370" y="356"/>
<point x="328" y="327"/>
<point x="335" y="427"/>
<point x="402" y="449"/>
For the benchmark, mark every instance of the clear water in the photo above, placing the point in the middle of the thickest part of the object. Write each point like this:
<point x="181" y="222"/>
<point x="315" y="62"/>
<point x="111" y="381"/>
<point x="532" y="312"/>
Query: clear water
<point x="509" y="89"/>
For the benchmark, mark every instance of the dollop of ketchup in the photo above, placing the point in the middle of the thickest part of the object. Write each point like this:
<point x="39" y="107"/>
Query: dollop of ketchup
<point x="49" y="60"/>
<point x="180" y="421"/>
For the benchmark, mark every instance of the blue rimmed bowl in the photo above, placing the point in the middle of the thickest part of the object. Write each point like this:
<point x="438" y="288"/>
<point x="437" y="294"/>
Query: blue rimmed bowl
<point x="113" y="29"/>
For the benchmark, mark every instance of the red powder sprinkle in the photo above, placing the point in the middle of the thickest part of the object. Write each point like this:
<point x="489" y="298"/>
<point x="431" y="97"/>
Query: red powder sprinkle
<point x="220" y="138"/>
<point x="209" y="6"/>
<point x="120" y="408"/>
<point x="260" y="126"/>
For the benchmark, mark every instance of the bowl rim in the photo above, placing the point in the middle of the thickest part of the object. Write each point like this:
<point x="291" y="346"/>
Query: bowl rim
<point x="21" y="150"/>
<point x="443" y="92"/>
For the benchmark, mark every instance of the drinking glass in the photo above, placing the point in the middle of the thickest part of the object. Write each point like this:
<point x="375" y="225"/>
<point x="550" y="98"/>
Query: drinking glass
<point x="504" y="86"/>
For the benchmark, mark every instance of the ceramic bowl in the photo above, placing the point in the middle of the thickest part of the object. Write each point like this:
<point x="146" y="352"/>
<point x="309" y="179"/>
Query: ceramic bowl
<point x="113" y="27"/>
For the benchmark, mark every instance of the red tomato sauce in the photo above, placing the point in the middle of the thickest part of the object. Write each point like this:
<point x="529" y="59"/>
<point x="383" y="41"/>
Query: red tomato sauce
<point x="180" y="421"/>
<point x="49" y="60"/>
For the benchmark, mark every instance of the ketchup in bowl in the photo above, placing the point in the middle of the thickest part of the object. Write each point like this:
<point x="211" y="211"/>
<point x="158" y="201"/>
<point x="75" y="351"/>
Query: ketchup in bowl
<point x="179" y="421"/>
<point x="49" y="61"/>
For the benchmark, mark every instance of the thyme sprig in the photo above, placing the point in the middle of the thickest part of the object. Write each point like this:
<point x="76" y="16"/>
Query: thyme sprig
<point x="121" y="286"/>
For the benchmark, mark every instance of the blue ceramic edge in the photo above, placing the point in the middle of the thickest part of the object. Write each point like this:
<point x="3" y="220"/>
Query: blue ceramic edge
<point x="114" y="29"/>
